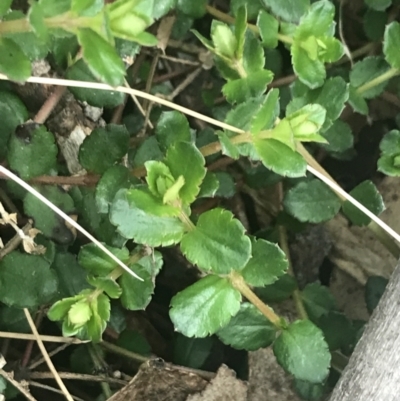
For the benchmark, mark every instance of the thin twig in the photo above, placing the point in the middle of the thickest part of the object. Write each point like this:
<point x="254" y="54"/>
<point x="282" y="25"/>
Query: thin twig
<point x="46" y="356"/>
<point x="49" y="388"/>
<point x="71" y="221"/>
<point x="40" y="360"/>
<point x="50" y="339"/>
<point x="9" y="377"/>
<point x="49" y="105"/>
<point x="77" y="376"/>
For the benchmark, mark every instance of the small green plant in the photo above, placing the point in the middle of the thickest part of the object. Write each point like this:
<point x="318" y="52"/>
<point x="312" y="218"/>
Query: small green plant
<point x="150" y="199"/>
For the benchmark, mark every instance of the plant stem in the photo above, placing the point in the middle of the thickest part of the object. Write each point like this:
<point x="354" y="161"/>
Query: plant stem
<point x="230" y="20"/>
<point x="378" y="80"/>
<point x="238" y="282"/>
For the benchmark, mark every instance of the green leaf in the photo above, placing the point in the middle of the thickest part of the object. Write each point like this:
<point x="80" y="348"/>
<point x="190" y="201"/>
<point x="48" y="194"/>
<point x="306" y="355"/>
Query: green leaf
<point x="289" y="10"/>
<point x="337" y="328"/>
<point x="254" y="85"/>
<point x="106" y="284"/>
<point x="86" y="7"/>
<point x="248" y="329"/>
<point x="204" y="307"/>
<point x="101" y="57"/>
<point x="209" y="186"/>
<point x="311" y="72"/>
<point x="60" y="309"/>
<point x="302" y="351"/>
<point x="79" y="71"/>
<point x="253" y="54"/>
<point x="134" y="223"/>
<point x="280" y="158"/>
<point x="391" y="43"/>
<point x="318" y="300"/>
<point x="96" y="262"/>
<point x="269" y="29"/>
<point x="13" y="63"/>
<point x="112" y="180"/>
<point x="365" y="71"/>
<point x="268" y="262"/>
<point x="32" y="151"/>
<point x="267" y="114"/>
<point x="374" y="290"/>
<point x="136" y="295"/>
<point x="184" y="159"/>
<point x="379" y="5"/>
<point x="240" y="31"/>
<point x="318" y="20"/>
<point x="26" y="281"/>
<point x="37" y="22"/>
<point x="278" y="291"/>
<point x="208" y="246"/>
<point x="103" y="148"/>
<point x="368" y="195"/>
<point x="227" y="147"/>
<point x="226" y="185"/>
<point x="357" y="102"/>
<point x="79" y="313"/>
<point x="339" y="137"/>
<point x="148" y="150"/>
<point x="4" y="7"/>
<point x="71" y="276"/>
<point x="12" y="113"/>
<point x="311" y="201"/>
<point x="52" y="8"/>
<point x="47" y="221"/>
<point x="195" y="9"/>
<point x="192" y="352"/>
<point x="159" y="178"/>
<point x="135" y="342"/>
<point x="14" y="320"/>
<point x="172" y="127"/>
<point x="309" y="391"/>
<point x="390" y="143"/>
<point x="224" y="40"/>
<point x="374" y="24"/>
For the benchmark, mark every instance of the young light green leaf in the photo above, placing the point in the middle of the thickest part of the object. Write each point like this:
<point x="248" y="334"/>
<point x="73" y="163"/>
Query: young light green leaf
<point x="26" y="287"/>
<point x="106" y="284"/>
<point x="37" y="22"/>
<point x="318" y="300"/>
<point x="79" y="71"/>
<point x="204" y="307"/>
<point x="101" y="57"/>
<point x="184" y="159"/>
<point x="240" y="30"/>
<point x="95" y="261"/>
<point x="365" y="71"/>
<point x="12" y="113"/>
<point x="368" y="195"/>
<point x="269" y="29"/>
<point x="47" y="221"/>
<point x="224" y="40"/>
<point x="172" y="127"/>
<point x="311" y="201"/>
<point x="280" y="158"/>
<point x="115" y="178"/>
<point x="144" y="228"/>
<point x="227" y="147"/>
<point x="13" y="63"/>
<point x="254" y="85"/>
<point x="391" y="43"/>
<point x="208" y="246"/>
<point x="136" y="295"/>
<point x="289" y="10"/>
<point x="79" y="313"/>
<point x="60" y="309"/>
<point x="268" y="262"/>
<point x="248" y="329"/>
<point x="32" y="151"/>
<point x="86" y="7"/>
<point x="103" y="148"/>
<point x="302" y="351"/>
<point x="159" y="178"/>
